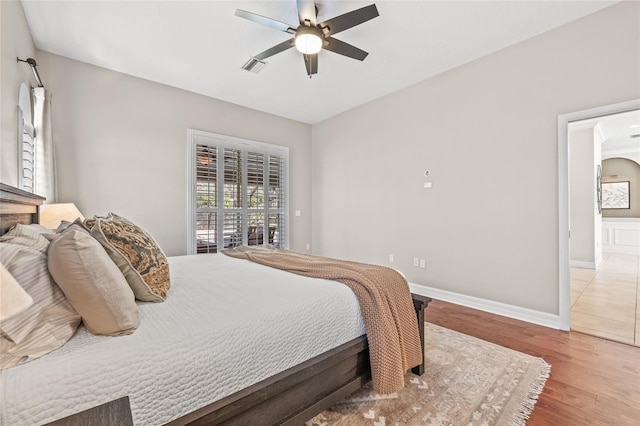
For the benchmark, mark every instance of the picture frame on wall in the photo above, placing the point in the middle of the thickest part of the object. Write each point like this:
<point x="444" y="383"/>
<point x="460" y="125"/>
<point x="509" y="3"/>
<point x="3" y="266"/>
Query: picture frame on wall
<point x="615" y="195"/>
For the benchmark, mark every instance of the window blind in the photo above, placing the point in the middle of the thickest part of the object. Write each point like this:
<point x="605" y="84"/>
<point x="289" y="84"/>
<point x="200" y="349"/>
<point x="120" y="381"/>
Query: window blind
<point x="239" y="193"/>
<point x="26" y="151"/>
<point x="206" y="223"/>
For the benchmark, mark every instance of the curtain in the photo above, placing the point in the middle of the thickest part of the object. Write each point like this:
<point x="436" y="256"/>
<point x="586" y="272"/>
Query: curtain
<point x="45" y="174"/>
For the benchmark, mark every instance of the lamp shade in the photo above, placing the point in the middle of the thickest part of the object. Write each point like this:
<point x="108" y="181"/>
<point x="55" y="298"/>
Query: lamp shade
<point x="52" y="215"/>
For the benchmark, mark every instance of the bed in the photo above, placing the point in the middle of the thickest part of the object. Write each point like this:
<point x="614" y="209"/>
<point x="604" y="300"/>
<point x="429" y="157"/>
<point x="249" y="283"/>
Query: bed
<point x="318" y="355"/>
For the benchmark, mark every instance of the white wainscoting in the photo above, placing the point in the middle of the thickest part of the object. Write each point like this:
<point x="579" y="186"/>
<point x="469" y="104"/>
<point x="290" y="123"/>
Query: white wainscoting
<point x="515" y="312"/>
<point x="621" y="235"/>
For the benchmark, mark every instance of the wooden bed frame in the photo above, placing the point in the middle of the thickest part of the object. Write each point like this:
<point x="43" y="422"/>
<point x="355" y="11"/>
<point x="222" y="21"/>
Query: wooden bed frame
<point x="18" y="206"/>
<point x="289" y="398"/>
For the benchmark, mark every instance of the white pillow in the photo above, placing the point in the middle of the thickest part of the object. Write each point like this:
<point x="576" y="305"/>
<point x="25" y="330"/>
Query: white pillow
<point x="13" y="299"/>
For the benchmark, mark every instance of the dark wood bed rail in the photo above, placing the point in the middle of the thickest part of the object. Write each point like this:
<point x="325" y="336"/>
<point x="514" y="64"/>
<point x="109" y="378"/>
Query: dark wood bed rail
<point x="420" y="303"/>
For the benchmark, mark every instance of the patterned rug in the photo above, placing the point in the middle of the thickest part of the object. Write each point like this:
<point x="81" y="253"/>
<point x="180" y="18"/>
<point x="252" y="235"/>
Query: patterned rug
<point x="468" y="382"/>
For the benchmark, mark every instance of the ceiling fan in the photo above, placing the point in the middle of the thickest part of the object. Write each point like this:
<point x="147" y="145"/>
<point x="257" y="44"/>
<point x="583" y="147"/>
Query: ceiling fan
<point x="310" y="37"/>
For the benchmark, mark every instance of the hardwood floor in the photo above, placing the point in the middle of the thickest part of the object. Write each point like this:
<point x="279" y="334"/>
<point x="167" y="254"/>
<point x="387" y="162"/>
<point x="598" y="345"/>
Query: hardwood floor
<point x="593" y="381"/>
<point x="606" y="302"/>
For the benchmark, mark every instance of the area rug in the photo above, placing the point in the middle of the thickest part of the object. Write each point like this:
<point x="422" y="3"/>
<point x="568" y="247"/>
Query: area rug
<point x="467" y="382"/>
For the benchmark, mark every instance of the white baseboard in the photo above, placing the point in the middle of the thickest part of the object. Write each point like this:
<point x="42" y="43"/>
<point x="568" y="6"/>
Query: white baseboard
<point x="582" y="264"/>
<point x="510" y="311"/>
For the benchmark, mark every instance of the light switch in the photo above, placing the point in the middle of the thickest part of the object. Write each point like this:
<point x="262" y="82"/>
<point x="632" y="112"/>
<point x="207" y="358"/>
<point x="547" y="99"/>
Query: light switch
<point x="297" y="212"/>
<point x="427" y="184"/>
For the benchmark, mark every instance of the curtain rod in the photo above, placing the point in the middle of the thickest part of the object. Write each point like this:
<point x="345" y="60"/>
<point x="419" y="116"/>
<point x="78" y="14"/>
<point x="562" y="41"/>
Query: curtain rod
<point x="33" y="64"/>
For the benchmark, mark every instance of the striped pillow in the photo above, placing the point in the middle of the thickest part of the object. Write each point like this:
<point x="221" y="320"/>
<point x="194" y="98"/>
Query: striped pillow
<point x="49" y="322"/>
<point x="27" y="236"/>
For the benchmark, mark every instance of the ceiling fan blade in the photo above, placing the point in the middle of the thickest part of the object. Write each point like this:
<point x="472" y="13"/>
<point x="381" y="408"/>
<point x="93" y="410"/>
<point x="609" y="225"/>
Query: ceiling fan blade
<point x="311" y="62"/>
<point x="307" y="12"/>
<point x="276" y="25"/>
<point x="345" y="49"/>
<point x="348" y="20"/>
<point x="276" y="49"/>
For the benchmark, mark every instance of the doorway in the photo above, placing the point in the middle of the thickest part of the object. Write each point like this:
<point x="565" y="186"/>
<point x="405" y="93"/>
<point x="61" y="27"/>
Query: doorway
<point x="564" y="270"/>
<point x="604" y="159"/>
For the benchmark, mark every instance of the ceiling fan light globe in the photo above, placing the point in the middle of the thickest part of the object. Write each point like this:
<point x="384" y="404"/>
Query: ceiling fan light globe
<point x="308" y="43"/>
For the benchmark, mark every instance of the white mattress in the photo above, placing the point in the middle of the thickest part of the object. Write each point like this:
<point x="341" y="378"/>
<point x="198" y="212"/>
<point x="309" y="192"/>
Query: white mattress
<point x="226" y="324"/>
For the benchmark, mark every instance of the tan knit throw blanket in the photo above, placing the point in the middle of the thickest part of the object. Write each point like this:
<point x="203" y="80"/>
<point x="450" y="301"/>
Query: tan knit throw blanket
<point x="385" y="304"/>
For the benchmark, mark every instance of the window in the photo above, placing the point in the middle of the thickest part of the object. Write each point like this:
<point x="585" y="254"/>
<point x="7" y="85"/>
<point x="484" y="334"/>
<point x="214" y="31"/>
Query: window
<point x="238" y="193"/>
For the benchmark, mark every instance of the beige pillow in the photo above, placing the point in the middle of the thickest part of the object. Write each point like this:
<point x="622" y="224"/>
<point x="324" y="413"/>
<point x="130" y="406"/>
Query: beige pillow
<point x="138" y="256"/>
<point x="92" y="283"/>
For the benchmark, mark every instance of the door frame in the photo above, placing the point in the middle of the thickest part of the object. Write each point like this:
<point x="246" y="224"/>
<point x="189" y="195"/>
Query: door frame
<point x="564" y="269"/>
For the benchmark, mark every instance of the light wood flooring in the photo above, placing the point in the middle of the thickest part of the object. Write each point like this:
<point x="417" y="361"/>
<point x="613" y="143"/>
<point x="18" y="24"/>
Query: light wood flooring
<point x="606" y="302"/>
<point x="593" y="382"/>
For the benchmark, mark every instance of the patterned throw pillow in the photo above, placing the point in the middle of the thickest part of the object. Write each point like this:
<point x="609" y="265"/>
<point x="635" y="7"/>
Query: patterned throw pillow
<point x="138" y="256"/>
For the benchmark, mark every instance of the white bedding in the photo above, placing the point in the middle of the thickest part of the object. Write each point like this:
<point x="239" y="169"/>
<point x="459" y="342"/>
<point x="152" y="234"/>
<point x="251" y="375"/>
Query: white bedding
<point x="226" y="324"/>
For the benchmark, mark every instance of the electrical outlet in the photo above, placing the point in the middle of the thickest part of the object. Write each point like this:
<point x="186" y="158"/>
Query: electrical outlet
<point x="416" y="261"/>
<point x="308" y="246"/>
<point x="391" y="257"/>
<point x="423" y="263"/>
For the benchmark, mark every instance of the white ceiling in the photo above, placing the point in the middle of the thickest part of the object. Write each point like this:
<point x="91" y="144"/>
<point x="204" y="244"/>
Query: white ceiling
<point x="618" y="133"/>
<point x="200" y="45"/>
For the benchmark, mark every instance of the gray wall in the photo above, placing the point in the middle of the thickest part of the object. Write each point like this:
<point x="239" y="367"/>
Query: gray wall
<point x="631" y="172"/>
<point x="487" y="131"/>
<point x="121" y="146"/>
<point x="15" y="41"/>
<point x="584" y="156"/>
